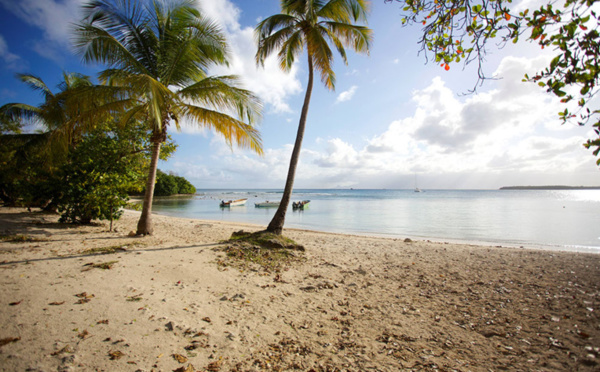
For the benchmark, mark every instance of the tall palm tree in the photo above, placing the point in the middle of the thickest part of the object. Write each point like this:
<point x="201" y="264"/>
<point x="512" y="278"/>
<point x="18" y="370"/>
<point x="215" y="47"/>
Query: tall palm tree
<point x="310" y="24"/>
<point x="158" y="53"/>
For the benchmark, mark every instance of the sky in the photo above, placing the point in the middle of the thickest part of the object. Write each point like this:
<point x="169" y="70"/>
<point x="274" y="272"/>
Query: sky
<point x="394" y="121"/>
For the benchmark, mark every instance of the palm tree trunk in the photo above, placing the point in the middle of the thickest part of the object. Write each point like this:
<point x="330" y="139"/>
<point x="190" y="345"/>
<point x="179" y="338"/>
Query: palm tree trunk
<point x="276" y="224"/>
<point x="144" y="226"/>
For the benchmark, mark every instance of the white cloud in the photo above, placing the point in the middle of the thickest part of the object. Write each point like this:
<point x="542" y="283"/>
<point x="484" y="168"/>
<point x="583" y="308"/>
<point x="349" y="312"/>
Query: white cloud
<point x="346" y="95"/>
<point x="54" y="18"/>
<point x="507" y="135"/>
<point x="12" y="61"/>
<point x="270" y="83"/>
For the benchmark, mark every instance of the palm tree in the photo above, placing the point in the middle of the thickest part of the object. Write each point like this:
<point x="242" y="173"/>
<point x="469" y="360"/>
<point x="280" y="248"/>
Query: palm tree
<point x="158" y="53"/>
<point x="62" y="115"/>
<point x="310" y="24"/>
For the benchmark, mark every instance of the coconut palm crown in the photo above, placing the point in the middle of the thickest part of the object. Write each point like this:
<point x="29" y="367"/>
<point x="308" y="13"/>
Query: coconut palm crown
<point x="312" y="25"/>
<point x="158" y="54"/>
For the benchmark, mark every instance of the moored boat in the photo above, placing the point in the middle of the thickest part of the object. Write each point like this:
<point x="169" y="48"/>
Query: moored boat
<point x="267" y="204"/>
<point x="233" y="203"/>
<point x="300" y="204"/>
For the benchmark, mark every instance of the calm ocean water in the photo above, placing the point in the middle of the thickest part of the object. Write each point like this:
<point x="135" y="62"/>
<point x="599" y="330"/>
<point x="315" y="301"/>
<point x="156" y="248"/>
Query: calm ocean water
<point x="566" y="220"/>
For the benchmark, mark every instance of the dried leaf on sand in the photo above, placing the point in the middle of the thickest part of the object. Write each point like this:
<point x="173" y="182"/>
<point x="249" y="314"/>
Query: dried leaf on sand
<point x="180" y="358"/>
<point x="115" y="355"/>
<point x="8" y="340"/>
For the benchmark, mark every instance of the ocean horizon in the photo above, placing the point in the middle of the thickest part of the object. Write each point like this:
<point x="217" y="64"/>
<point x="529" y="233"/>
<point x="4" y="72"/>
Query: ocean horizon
<point x="547" y="219"/>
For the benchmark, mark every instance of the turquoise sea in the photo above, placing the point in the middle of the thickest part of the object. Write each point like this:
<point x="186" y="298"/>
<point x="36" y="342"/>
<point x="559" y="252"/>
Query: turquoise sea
<point x="565" y="220"/>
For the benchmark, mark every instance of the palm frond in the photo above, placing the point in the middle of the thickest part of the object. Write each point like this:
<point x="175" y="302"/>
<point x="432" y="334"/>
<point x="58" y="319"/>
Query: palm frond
<point x="345" y="11"/>
<point x="13" y="116"/>
<point x="359" y="38"/>
<point x="290" y="50"/>
<point x="295" y="7"/>
<point x="98" y="45"/>
<point x="233" y="130"/>
<point x="189" y="49"/>
<point x="272" y="23"/>
<point x="273" y="42"/>
<point x="225" y="93"/>
<point x="36" y="83"/>
<point x="322" y="56"/>
<point x="127" y="21"/>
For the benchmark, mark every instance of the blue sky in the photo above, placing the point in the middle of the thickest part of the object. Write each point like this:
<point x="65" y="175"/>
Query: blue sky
<point x="392" y="116"/>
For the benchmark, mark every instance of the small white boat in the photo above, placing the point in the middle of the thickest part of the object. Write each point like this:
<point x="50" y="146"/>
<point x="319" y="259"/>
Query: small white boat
<point x="418" y="190"/>
<point x="267" y="204"/>
<point x="300" y="204"/>
<point x="233" y="203"/>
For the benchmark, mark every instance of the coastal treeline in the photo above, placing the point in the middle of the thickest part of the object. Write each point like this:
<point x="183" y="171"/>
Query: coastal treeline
<point x="82" y="173"/>
<point x="172" y="184"/>
<point x="99" y="141"/>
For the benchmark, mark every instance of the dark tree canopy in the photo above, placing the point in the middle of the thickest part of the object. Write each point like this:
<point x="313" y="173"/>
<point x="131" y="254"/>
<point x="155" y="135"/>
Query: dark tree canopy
<point x="460" y="31"/>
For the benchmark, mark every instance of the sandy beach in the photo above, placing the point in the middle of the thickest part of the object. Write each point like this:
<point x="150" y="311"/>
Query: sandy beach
<point x="172" y="302"/>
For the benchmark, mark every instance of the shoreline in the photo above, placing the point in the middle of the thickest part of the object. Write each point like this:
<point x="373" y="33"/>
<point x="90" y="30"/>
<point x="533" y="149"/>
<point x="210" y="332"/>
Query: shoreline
<point x="498" y="244"/>
<point x="356" y="303"/>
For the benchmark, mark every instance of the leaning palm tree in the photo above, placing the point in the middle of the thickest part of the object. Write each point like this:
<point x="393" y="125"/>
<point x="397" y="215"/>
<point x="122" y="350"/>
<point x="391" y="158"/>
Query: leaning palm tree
<point x="158" y="53"/>
<point x="310" y="24"/>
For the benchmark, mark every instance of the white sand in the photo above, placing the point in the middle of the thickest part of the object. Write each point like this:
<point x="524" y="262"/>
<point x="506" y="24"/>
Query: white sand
<point x="356" y="303"/>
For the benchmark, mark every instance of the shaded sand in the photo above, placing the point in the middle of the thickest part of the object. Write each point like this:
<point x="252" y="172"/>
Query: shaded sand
<point x="356" y="303"/>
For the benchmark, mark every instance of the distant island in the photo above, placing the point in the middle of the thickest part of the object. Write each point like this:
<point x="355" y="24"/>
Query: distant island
<point x="550" y="188"/>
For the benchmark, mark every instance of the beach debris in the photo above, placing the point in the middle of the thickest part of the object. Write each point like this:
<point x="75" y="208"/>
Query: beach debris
<point x="105" y="250"/>
<point x="169" y="326"/>
<point x="214" y="366"/>
<point x="56" y="303"/>
<point x="556" y="343"/>
<point x="103" y="321"/>
<point x="408" y="240"/>
<point x="196" y="344"/>
<point x="583" y="335"/>
<point x="8" y="340"/>
<point x="207" y="319"/>
<point x="102" y="265"/>
<point x="115" y="355"/>
<point x="83" y="298"/>
<point x="189" y="368"/>
<point x="83" y="335"/>
<point x="15" y="303"/>
<point x="67" y="349"/>
<point x="135" y="298"/>
<point x="180" y="358"/>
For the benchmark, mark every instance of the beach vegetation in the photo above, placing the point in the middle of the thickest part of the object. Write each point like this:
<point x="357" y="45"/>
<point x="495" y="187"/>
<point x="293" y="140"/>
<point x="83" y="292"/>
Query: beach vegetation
<point x="30" y="159"/>
<point x="18" y="238"/>
<point x="458" y="31"/>
<point x="105" y="250"/>
<point x="312" y="25"/>
<point x="103" y="265"/>
<point x="79" y="168"/>
<point x="157" y="55"/>
<point x="261" y="251"/>
<point x="109" y="161"/>
<point x="265" y="239"/>
<point x="171" y="184"/>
